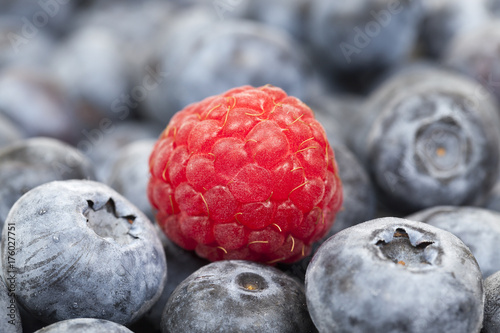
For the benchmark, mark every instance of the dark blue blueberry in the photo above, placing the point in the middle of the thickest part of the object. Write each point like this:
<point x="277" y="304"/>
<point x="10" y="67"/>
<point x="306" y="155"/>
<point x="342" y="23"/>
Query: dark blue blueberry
<point x="9" y="133"/>
<point x="478" y="228"/>
<point x="38" y="104"/>
<point x="289" y="15"/>
<point x="213" y="57"/>
<point x="237" y="296"/>
<point x="84" y="325"/>
<point x="32" y="162"/>
<point x="129" y="174"/>
<point x="494" y="7"/>
<point x="51" y="16"/>
<point x="475" y="53"/>
<point x="338" y="115"/>
<point x="135" y="26"/>
<point x="492" y="199"/>
<point x="93" y="68"/>
<point x="359" y="203"/>
<point x="181" y="264"/>
<point x="22" y="44"/>
<point x="431" y="140"/>
<point x="9" y="311"/>
<point x="444" y="19"/>
<point x="362" y="35"/>
<point x="393" y="275"/>
<point x="491" y="323"/>
<point x="102" y="143"/>
<point x="83" y="250"/>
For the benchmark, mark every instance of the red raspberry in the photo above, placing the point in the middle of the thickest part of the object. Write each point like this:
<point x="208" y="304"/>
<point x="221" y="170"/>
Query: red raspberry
<point x="248" y="174"/>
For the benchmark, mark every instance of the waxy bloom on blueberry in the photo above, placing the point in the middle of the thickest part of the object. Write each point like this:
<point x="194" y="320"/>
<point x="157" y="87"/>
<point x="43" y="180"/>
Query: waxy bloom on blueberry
<point x="248" y="174"/>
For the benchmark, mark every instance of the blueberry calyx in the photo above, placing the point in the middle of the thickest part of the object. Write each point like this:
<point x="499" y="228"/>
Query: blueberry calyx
<point x="441" y="148"/>
<point x="402" y="249"/>
<point x="106" y="223"/>
<point x="251" y="282"/>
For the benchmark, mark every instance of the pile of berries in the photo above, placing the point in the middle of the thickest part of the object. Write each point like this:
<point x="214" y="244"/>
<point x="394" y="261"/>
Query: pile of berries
<point x="250" y="166"/>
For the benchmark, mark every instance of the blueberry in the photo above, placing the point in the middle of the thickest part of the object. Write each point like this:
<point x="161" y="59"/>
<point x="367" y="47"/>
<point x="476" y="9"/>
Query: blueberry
<point x="338" y="114"/>
<point x="491" y="323"/>
<point x="492" y="199"/>
<point x="18" y="49"/>
<point x="362" y="35"/>
<point x="478" y="228"/>
<point x="219" y="56"/>
<point x="237" y="296"/>
<point x="36" y="103"/>
<point x="394" y="275"/>
<point x="97" y="143"/>
<point x="32" y="162"/>
<point x="90" y="63"/>
<point x="35" y="16"/>
<point x="9" y="133"/>
<point x="290" y="15"/>
<point x="129" y="175"/>
<point x="11" y="319"/>
<point x="359" y="195"/>
<point x="475" y="53"/>
<point x="181" y="264"/>
<point x="445" y="19"/>
<point x="494" y="7"/>
<point x="84" y="325"/>
<point x="83" y="250"/>
<point x="433" y="142"/>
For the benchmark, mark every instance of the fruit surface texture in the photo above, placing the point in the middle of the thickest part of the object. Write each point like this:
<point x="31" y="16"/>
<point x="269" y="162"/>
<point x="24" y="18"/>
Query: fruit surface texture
<point x="248" y="174"/>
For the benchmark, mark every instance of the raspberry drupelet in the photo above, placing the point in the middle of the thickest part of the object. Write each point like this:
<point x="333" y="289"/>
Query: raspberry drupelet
<point x="248" y="174"/>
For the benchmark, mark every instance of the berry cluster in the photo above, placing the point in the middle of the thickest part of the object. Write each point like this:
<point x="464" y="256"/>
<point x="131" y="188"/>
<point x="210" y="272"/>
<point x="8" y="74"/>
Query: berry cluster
<point x="250" y="166"/>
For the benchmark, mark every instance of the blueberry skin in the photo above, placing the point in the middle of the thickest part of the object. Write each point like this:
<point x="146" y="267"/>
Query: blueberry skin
<point x="31" y="162"/>
<point x="475" y="54"/>
<point x="444" y="19"/>
<point x="83" y="250"/>
<point x="348" y="36"/>
<point x="11" y="319"/>
<point x="234" y="295"/>
<point x="492" y="199"/>
<point x="493" y="7"/>
<point x="478" y="228"/>
<point x="394" y="275"/>
<point x="48" y="16"/>
<point x="491" y="323"/>
<point x="9" y="133"/>
<point x="181" y="264"/>
<point x="135" y="27"/>
<point x="98" y="144"/>
<point x="359" y="203"/>
<point x="432" y="143"/>
<point x="130" y="174"/>
<point x="391" y="84"/>
<point x="220" y="55"/>
<point x="338" y="115"/>
<point x="29" y="97"/>
<point x="91" y="65"/>
<point x="289" y="15"/>
<point x="84" y="325"/>
<point x="18" y="50"/>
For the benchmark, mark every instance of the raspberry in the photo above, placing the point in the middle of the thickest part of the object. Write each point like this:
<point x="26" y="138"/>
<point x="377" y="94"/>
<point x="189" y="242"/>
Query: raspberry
<point x="248" y="174"/>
